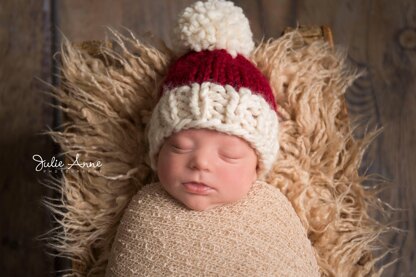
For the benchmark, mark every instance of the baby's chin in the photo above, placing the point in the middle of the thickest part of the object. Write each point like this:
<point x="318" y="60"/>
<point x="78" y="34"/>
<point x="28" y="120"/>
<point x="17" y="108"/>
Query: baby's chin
<point x="200" y="205"/>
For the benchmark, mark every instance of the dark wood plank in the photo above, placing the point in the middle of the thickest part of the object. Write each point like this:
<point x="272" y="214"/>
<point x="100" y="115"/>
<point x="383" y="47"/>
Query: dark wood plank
<point x="268" y="18"/>
<point x="141" y="17"/>
<point x="380" y="37"/>
<point x="88" y="20"/>
<point x="82" y="20"/>
<point x="392" y="61"/>
<point x="24" y="114"/>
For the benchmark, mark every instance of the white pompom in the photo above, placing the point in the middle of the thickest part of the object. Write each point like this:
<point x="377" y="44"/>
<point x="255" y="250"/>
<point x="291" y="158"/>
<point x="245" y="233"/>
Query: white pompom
<point x="214" y="24"/>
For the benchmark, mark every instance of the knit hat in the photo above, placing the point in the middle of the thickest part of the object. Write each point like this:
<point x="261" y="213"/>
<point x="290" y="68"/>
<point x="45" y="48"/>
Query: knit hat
<point x="214" y="85"/>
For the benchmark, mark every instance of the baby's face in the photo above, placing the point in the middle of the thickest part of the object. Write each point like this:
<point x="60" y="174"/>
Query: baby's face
<point x="204" y="169"/>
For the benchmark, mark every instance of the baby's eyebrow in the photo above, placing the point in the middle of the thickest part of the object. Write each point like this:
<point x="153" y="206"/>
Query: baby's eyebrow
<point x="181" y="140"/>
<point x="234" y="150"/>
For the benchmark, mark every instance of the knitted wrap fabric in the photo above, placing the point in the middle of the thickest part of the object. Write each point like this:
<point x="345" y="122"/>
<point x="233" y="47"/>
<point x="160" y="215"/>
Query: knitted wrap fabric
<point x="215" y="86"/>
<point x="260" y="235"/>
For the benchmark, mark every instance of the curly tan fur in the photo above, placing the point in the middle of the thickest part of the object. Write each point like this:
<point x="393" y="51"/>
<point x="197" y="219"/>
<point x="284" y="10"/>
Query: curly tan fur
<point x="108" y="98"/>
<point x="318" y="167"/>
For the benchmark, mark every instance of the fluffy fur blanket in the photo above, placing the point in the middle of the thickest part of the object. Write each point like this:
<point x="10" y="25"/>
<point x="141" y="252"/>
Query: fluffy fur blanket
<point x="108" y="94"/>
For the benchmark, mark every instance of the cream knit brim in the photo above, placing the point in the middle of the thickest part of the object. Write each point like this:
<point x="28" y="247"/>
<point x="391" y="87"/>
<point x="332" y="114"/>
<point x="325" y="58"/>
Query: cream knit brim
<point x="216" y="107"/>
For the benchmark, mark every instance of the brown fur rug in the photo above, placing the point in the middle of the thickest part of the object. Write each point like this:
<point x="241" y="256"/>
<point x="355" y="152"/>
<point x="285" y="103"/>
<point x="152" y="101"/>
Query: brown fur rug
<point x="107" y="95"/>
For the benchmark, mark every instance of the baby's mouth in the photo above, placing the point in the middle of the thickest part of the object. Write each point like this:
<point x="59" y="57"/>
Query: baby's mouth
<point x="197" y="188"/>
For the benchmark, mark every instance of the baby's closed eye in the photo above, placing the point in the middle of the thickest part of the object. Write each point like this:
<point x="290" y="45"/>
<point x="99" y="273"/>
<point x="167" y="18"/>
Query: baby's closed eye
<point x="231" y="155"/>
<point x="180" y="145"/>
<point x="180" y="148"/>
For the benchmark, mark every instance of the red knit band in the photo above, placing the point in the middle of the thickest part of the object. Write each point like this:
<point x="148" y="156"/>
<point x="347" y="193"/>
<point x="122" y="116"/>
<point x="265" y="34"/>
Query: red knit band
<point x="219" y="67"/>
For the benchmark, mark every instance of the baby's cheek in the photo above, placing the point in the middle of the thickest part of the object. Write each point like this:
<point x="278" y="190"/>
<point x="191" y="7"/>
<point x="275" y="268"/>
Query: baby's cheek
<point x="167" y="167"/>
<point x="238" y="181"/>
<point x="239" y="172"/>
<point x="227" y="174"/>
<point x="172" y="167"/>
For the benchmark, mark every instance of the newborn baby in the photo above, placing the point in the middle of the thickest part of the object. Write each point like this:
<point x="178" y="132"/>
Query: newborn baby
<point x="210" y="216"/>
<point x="204" y="169"/>
<point x="213" y="136"/>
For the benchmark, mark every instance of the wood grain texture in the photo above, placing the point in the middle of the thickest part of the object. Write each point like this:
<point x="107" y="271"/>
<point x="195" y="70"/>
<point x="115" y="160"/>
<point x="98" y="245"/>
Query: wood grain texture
<point x="379" y="37"/>
<point x="24" y="114"/>
<point x="87" y="20"/>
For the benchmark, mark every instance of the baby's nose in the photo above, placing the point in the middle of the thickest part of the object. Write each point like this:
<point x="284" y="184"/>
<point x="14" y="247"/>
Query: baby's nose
<point x="200" y="161"/>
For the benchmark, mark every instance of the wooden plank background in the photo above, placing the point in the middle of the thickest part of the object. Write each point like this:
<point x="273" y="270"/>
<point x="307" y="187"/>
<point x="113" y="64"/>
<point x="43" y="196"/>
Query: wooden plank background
<point x="24" y="56"/>
<point x="380" y="36"/>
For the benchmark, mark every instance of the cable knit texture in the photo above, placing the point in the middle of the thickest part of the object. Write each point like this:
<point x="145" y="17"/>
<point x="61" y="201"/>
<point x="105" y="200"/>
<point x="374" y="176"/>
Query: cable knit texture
<point x="260" y="235"/>
<point x="219" y="67"/>
<point x="221" y="108"/>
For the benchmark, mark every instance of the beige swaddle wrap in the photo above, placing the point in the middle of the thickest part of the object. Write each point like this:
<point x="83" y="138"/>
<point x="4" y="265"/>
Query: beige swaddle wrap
<point x="260" y="235"/>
